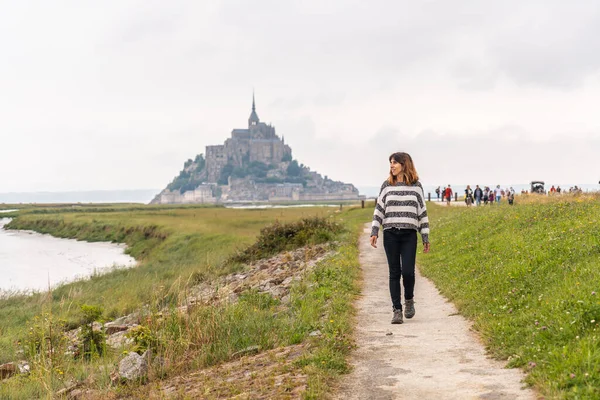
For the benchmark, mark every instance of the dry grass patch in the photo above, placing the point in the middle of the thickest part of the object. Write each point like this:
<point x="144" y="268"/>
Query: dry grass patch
<point x="269" y="375"/>
<point x="557" y="198"/>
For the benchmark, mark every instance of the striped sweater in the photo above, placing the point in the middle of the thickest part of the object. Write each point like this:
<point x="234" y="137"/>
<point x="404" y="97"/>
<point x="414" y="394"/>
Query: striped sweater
<point x="401" y="206"/>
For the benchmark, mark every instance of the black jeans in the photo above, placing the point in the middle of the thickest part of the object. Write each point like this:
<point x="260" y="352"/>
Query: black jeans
<point x="401" y="250"/>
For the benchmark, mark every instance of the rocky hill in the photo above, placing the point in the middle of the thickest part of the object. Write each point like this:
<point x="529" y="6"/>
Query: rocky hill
<point x="254" y="164"/>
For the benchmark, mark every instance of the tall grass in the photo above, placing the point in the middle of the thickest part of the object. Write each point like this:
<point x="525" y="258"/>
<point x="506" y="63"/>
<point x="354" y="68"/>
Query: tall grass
<point x="558" y="198"/>
<point x="528" y="276"/>
<point x="173" y="246"/>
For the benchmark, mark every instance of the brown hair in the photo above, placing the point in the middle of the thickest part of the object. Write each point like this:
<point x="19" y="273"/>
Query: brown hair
<point x="409" y="173"/>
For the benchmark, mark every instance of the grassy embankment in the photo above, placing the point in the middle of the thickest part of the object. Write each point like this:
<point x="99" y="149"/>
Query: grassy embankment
<point x="526" y="275"/>
<point x="529" y="278"/>
<point x="178" y="248"/>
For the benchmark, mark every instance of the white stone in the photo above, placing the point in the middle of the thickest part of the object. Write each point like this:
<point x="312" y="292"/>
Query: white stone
<point x="133" y="367"/>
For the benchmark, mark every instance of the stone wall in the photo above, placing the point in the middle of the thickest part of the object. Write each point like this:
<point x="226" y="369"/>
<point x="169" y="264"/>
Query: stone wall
<point x="240" y="190"/>
<point x="285" y="192"/>
<point x="236" y="150"/>
<point x="216" y="159"/>
<point x="202" y="194"/>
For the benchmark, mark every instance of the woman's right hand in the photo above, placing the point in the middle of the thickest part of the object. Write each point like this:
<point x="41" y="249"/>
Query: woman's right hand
<point x="374" y="241"/>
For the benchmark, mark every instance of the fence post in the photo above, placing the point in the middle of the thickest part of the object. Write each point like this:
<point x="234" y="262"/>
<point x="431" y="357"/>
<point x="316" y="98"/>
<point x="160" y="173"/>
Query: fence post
<point x="429" y="196"/>
<point x="362" y="203"/>
<point x="455" y="196"/>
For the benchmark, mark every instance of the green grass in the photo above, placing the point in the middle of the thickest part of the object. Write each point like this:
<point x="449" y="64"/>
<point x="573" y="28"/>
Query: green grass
<point x="173" y="246"/>
<point x="529" y="278"/>
<point x="170" y="244"/>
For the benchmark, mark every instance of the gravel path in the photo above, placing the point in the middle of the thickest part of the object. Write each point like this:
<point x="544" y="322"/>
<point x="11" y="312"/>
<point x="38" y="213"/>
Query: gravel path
<point x="435" y="355"/>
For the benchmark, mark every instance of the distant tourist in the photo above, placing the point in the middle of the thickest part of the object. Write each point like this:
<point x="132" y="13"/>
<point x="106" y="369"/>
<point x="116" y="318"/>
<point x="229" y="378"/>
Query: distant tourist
<point x="469" y="196"/>
<point x="448" y="195"/>
<point x="486" y="195"/>
<point x="558" y="189"/>
<point x="400" y="232"/>
<point x="478" y="194"/>
<point x="498" y="193"/>
<point x="511" y="196"/>
<point x="437" y="192"/>
<point x="491" y="197"/>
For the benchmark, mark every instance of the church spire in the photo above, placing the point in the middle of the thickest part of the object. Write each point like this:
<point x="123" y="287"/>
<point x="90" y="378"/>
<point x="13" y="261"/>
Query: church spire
<point x="253" y="120"/>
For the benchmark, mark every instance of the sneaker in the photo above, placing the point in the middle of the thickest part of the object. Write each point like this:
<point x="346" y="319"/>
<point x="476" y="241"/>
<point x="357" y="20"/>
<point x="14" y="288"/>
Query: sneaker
<point x="397" y="318"/>
<point x="409" y="308"/>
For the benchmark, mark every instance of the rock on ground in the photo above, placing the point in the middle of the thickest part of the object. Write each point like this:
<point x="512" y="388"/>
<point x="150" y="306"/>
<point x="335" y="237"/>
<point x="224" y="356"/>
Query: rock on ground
<point x="133" y="367"/>
<point x="273" y="275"/>
<point x="7" y="370"/>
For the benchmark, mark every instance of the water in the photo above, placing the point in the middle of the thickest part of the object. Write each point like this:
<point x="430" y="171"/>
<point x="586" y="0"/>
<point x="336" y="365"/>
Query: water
<point x="31" y="261"/>
<point x="89" y="196"/>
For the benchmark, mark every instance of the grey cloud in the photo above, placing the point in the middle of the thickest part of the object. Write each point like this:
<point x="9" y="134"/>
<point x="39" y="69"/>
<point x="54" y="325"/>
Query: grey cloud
<point x="547" y="43"/>
<point x="538" y="43"/>
<point x="292" y="102"/>
<point x="340" y="38"/>
<point x="507" y="154"/>
<point x="149" y="84"/>
<point x="561" y="55"/>
<point x="328" y="99"/>
<point x="474" y="74"/>
<point x="320" y="99"/>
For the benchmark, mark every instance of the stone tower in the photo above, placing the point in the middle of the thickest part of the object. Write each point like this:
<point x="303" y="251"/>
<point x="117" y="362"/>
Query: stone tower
<point x="258" y="142"/>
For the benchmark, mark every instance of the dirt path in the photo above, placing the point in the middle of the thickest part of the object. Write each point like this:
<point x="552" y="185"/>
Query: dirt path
<point x="435" y="355"/>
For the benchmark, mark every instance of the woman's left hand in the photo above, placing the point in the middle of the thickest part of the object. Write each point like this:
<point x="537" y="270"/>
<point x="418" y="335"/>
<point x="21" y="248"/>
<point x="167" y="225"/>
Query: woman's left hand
<point x="426" y="247"/>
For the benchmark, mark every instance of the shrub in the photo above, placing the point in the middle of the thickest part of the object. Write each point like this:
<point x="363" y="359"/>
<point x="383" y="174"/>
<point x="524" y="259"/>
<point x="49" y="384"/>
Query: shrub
<point x="144" y="339"/>
<point x="200" y="162"/>
<point x="225" y="173"/>
<point x="94" y="341"/>
<point x="294" y="169"/>
<point x="280" y="237"/>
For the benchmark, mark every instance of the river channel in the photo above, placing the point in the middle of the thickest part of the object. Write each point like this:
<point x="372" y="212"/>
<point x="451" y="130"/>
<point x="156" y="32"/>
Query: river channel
<point x="31" y="261"/>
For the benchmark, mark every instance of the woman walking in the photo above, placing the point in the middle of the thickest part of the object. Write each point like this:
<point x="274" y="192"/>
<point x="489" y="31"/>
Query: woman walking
<point x="401" y="210"/>
<point x="469" y="196"/>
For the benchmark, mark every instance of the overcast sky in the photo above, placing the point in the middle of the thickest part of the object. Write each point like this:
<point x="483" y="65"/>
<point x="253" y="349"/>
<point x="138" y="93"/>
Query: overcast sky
<point x="118" y="94"/>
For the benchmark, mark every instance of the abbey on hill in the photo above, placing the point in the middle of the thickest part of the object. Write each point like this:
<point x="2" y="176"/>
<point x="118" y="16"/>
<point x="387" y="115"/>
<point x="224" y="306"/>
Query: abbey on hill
<point x="254" y="164"/>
